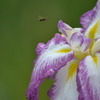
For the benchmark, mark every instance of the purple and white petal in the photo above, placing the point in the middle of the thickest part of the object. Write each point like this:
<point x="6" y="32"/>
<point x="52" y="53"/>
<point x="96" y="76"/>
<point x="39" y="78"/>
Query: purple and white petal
<point x="65" y="86"/>
<point x="51" y="57"/>
<point x="91" y="22"/>
<point x="76" y="40"/>
<point x="88" y="78"/>
<point x="87" y="18"/>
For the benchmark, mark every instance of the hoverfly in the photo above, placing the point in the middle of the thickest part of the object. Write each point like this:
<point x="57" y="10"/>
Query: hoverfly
<point x="42" y="18"/>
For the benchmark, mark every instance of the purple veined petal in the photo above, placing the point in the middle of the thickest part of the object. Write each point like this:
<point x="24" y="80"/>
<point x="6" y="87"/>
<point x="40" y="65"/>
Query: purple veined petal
<point x="57" y="40"/>
<point x="85" y="44"/>
<point x="39" y="48"/>
<point x="87" y="18"/>
<point x="65" y="86"/>
<point x="76" y="40"/>
<point x="63" y="27"/>
<point x="91" y="22"/>
<point x="88" y="78"/>
<point x="52" y="56"/>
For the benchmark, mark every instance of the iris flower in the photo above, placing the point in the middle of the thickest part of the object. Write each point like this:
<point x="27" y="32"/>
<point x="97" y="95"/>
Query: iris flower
<point x="74" y="56"/>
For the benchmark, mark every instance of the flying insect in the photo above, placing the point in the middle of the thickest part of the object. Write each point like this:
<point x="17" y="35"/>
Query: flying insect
<point x="42" y="18"/>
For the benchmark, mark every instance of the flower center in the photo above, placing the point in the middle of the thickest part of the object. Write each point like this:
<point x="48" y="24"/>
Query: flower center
<point x="79" y="54"/>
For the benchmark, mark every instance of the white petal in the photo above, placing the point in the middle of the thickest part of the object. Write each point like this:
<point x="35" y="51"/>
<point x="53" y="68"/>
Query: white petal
<point x="65" y="86"/>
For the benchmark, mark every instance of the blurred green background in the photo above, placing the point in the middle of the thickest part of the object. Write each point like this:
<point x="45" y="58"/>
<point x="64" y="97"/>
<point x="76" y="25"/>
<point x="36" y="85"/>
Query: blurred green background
<point x="20" y="32"/>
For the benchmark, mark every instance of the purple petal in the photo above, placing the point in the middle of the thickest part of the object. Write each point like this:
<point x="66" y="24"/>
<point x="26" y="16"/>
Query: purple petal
<point x="76" y="40"/>
<point x="51" y="57"/>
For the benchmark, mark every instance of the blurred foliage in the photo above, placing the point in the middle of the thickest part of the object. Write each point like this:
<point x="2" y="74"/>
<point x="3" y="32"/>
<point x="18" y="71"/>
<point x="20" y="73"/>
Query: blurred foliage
<point x="20" y="32"/>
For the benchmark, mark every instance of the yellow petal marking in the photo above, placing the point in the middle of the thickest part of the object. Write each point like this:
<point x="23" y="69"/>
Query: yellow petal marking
<point x="85" y="54"/>
<point x="95" y="60"/>
<point x="93" y="31"/>
<point x="63" y="51"/>
<point x="72" y="69"/>
<point x="62" y="35"/>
